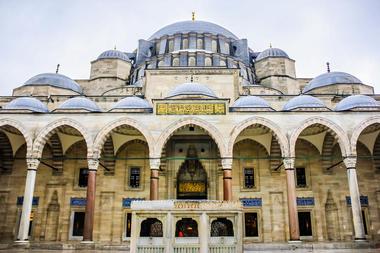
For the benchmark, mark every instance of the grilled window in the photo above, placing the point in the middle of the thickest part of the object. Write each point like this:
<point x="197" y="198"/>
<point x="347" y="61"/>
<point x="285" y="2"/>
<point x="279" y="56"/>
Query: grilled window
<point x="83" y="176"/>
<point x="249" y="178"/>
<point x="134" y="177"/>
<point x="301" y="177"/>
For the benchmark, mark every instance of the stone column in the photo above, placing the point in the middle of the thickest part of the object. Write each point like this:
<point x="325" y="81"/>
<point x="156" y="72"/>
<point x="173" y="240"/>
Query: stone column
<point x="169" y="233"/>
<point x="203" y="233"/>
<point x="32" y="165"/>
<point x="292" y="199"/>
<point x="90" y="200"/>
<point x="350" y="163"/>
<point x="154" y="177"/>
<point x="227" y="179"/>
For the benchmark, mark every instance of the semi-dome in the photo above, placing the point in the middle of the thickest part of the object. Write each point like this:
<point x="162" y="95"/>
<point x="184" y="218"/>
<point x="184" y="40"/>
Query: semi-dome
<point x="56" y="80"/>
<point x="357" y="101"/>
<point x="251" y="102"/>
<point x="303" y="101"/>
<point x="79" y="103"/>
<point x="114" y="54"/>
<point x="26" y="103"/>
<point x="132" y="103"/>
<point x="191" y="89"/>
<point x="272" y="52"/>
<point x="193" y="26"/>
<point x="331" y="78"/>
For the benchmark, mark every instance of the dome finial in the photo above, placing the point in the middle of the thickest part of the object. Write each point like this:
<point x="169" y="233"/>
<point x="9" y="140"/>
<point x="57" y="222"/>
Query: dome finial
<point x="193" y="16"/>
<point x="56" y="71"/>
<point x="270" y="44"/>
<point x="328" y="67"/>
<point x="114" y="48"/>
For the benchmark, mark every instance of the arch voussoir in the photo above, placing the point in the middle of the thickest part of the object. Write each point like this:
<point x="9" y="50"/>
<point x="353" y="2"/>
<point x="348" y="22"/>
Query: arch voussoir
<point x="103" y="134"/>
<point x="26" y="134"/>
<point x="273" y="127"/>
<point x="209" y="128"/>
<point x="358" y="129"/>
<point x="332" y="127"/>
<point x="46" y="132"/>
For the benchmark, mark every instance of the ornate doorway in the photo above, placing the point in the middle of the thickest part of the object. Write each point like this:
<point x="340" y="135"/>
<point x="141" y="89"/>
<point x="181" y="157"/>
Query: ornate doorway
<point x="191" y="177"/>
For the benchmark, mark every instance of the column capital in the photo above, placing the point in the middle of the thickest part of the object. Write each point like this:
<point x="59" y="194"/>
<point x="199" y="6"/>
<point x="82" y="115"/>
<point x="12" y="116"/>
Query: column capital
<point x="350" y="162"/>
<point x="93" y="164"/>
<point x="288" y="162"/>
<point x="32" y="163"/>
<point x="227" y="163"/>
<point x="155" y="163"/>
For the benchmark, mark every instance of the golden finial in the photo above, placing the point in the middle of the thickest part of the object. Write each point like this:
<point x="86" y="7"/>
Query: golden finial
<point x="193" y="16"/>
<point x="270" y="45"/>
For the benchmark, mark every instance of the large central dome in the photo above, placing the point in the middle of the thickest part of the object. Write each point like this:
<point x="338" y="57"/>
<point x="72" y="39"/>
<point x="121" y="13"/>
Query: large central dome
<point x="192" y="26"/>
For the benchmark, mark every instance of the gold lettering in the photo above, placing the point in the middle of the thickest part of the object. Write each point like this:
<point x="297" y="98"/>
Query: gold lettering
<point x="191" y="109"/>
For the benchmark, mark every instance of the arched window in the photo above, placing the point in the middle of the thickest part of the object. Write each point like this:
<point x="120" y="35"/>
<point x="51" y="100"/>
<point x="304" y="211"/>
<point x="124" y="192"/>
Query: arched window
<point x="186" y="227"/>
<point x="185" y="44"/>
<point x="199" y="43"/>
<point x="214" y="46"/>
<point x="175" y="62"/>
<point x="191" y="61"/>
<point x="222" y="63"/>
<point x="208" y="61"/>
<point x="151" y="227"/>
<point x="171" y="46"/>
<point x="222" y="227"/>
<point x="227" y="47"/>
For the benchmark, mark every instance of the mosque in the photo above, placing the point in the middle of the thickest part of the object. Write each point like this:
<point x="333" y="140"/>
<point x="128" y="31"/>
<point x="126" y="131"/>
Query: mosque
<point x="193" y="142"/>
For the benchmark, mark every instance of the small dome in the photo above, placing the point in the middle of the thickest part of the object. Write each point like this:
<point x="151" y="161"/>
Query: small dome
<point x="303" y="101"/>
<point x="80" y="103"/>
<point x="251" y="102"/>
<point x="330" y="78"/>
<point x="114" y="54"/>
<point x="272" y="52"/>
<point x="56" y="80"/>
<point x="193" y="26"/>
<point x="26" y="103"/>
<point x="132" y="103"/>
<point x="191" y="89"/>
<point x="357" y="101"/>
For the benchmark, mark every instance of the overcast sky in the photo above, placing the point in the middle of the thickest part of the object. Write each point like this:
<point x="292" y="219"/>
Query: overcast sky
<point x="36" y="35"/>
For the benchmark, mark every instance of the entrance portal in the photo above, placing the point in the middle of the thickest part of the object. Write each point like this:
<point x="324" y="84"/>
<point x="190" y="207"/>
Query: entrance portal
<point x="191" y="177"/>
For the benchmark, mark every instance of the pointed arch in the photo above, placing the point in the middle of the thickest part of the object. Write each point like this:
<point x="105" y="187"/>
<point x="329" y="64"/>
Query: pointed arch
<point x="46" y="132"/>
<point x="101" y="137"/>
<point x="26" y="134"/>
<point x="274" y="128"/>
<point x="358" y="129"/>
<point x="171" y="129"/>
<point x="332" y="128"/>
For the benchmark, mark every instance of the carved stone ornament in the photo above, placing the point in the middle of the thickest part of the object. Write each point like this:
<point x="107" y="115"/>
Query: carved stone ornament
<point x="32" y="163"/>
<point x="289" y="163"/>
<point x="227" y="163"/>
<point x="93" y="164"/>
<point x="350" y="162"/>
<point x="155" y="163"/>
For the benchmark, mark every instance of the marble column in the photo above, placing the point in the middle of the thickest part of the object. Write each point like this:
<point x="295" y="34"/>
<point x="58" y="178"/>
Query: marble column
<point x="203" y="233"/>
<point x="32" y="165"/>
<point x="294" y="231"/>
<point x="227" y="179"/>
<point x="154" y="177"/>
<point x="90" y="200"/>
<point x="350" y="163"/>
